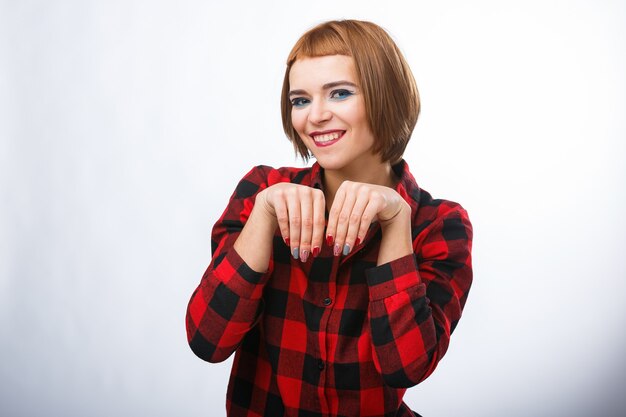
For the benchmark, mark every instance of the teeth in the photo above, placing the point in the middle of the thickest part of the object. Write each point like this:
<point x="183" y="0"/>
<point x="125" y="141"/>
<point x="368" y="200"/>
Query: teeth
<point x="327" y="137"/>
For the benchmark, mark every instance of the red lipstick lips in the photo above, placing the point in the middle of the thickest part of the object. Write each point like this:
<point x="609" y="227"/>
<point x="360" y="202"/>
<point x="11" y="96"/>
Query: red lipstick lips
<point x="326" y="137"/>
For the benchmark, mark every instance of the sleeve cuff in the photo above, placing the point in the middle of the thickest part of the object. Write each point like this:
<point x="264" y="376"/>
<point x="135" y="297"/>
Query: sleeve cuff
<point x="235" y="273"/>
<point x="393" y="277"/>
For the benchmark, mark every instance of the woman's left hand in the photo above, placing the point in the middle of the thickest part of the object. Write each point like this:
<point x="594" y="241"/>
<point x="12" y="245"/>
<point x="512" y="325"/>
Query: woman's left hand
<point x="355" y="207"/>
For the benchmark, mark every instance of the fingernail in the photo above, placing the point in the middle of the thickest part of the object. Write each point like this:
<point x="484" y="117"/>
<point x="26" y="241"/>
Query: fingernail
<point x="329" y="240"/>
<point x="294" y="252"/>
<point x="287" y="241"/>
<point x="346" y="249"/>
<point x="304" y="255"/>
<point x="316" y="251"/>
<point x="337" y="249"/>
<point x="357" y="242"/>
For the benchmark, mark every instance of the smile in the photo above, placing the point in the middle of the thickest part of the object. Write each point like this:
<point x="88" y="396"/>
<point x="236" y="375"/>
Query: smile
<point x="327" y="138"/>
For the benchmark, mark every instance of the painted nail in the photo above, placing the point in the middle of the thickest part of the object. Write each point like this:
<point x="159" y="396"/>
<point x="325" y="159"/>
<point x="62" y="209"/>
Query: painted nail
<point x="357" y="242"/>
<point x="316" y="251"/>
<point x="294" y="253"/>
<point x="336" y="249"/>
<point x="329" y="240"/>
<point x="304" y="255"/>
<point x="287" y="241"/>
<point x="346" y="249"/>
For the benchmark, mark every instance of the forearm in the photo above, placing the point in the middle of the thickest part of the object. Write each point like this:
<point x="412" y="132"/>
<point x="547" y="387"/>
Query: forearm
<point x="402" y="327"/>
<point x="254" y="243"/>
<point x="218" y="317"/>
<point x="226" y="304"/>
<point x="405" y="339"/>
<point x="396" y="237"/>
<point x="414" y="308"/>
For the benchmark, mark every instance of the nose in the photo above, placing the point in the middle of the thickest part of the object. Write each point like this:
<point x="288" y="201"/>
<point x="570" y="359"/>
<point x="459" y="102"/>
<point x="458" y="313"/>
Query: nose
<point x="319" y="112"/>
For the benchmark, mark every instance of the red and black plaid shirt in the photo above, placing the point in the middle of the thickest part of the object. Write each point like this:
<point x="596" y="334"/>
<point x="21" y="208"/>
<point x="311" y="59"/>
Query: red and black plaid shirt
<point x="335" y="336"/>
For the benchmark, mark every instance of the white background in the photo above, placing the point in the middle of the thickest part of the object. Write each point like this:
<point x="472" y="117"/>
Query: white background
<point x="125" y="126"/>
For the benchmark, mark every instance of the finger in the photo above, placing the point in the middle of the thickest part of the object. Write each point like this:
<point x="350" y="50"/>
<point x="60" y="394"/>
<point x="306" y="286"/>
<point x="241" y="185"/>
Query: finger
<point x="306" y="216"/>
<point x="319" y="222"/>
<point x="368" y="216"/>
<point x="354" y="224"/>
<point x="343" y="221"/>
<point x="282" y="217"/>
<point x="293" y="207"/>
<point x="333" y="216"/>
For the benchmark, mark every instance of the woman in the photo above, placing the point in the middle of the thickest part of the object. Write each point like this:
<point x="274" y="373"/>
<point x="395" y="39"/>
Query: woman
<point x="337" y="286"/>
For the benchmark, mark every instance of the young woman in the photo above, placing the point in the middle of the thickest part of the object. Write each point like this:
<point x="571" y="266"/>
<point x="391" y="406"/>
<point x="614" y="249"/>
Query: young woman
<point x="336" y="286"/>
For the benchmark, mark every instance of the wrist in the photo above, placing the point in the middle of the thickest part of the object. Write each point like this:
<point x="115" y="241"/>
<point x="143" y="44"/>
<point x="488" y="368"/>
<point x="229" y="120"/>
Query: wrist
<point x="396" y="239"/>
<point x="254" y="244"/>
<point x="261" y="213"/>
<point x="401" y="219"/>
<point x="262" y="209"/>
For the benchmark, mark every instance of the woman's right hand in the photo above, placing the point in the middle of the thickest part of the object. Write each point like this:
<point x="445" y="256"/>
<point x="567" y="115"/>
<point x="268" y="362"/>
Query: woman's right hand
<point x="299" y="211"/>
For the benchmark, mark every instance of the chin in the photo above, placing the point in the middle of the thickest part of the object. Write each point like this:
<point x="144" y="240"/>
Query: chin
<point x="332" y="164"/>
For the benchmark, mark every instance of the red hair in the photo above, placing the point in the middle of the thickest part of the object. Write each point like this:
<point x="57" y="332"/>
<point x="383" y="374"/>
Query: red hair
<point x="391" y="98"/>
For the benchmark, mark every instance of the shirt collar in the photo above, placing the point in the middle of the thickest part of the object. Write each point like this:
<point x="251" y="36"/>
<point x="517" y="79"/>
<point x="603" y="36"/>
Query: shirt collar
<point x="407" y="186"/>
<point x="316" y="176"/>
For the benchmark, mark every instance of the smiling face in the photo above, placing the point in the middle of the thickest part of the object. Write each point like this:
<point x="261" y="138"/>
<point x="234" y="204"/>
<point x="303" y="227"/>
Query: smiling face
<point x="328" y="113"/>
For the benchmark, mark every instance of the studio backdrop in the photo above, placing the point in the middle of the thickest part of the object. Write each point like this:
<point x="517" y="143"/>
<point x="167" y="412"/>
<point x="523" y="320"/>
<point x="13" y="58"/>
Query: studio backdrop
<point x="126" y="125"/>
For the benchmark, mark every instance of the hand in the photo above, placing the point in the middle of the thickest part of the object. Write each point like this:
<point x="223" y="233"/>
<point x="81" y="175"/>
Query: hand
<point x="299" y="211"/>
<point x="355" y="207"/>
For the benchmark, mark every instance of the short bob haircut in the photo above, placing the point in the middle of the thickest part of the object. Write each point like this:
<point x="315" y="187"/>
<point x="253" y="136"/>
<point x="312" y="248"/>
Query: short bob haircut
<point x="391" y="98"/>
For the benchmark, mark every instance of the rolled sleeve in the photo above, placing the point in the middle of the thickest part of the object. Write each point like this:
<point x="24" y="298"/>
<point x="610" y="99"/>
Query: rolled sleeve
<point x="393" y="277"/>
<point x="235" y="273"/>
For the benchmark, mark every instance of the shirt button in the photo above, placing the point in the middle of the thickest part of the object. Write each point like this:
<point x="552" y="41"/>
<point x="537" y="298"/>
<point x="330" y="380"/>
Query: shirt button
<point x="327" y="301"/>
<point x="320" y="365"/>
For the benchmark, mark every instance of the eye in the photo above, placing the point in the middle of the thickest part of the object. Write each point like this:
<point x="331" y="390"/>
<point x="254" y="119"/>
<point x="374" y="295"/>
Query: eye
<point x="299" y="102"/>
<point x="341" y="94"/>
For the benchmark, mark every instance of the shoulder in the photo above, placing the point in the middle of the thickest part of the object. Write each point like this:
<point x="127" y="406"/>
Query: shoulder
<point x="425" y="208"/>
<point x="436" y="213"/>
<point x="428" y="213"/>
<point x="429" y="207"/>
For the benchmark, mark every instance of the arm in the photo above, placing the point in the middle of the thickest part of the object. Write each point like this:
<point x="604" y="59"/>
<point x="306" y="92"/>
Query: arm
<point x="227" y="303"/>
<point x="419" y="286"/>
<point x="416" y="300"/>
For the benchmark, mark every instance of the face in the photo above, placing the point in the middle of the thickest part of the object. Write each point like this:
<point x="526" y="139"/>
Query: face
<point x="328" y="112"/>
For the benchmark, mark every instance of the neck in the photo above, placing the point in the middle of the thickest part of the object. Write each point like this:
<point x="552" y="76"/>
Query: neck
<point x="381" y="174"/>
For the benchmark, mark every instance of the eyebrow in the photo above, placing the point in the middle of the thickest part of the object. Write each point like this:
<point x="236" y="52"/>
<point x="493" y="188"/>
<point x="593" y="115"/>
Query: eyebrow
<point x="325" y="87"/>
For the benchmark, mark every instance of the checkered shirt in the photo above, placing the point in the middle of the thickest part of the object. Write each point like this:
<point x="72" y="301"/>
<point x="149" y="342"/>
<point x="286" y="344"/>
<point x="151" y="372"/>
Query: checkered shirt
<point x="335" y="336"/>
